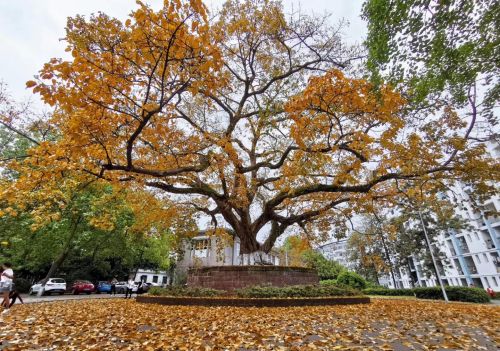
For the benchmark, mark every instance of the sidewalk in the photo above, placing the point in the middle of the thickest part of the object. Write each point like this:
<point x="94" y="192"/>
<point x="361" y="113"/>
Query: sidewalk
<point x="34" y="299"/>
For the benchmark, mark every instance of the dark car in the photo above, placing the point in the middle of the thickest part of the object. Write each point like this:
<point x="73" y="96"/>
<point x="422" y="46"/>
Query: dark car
<point x="103" y="287"/>
<point x="82" y="286"/>
<point x="143" y="288"/>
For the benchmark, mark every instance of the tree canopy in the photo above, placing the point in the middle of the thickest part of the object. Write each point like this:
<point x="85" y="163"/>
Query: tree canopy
<point x="249" y="116"/>
<point x="439" y="52"/>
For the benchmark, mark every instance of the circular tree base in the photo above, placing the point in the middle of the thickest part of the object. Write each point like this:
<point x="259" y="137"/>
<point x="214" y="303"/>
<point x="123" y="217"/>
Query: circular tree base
<point x="244" y="302"/>
<point x="236" y="277"/>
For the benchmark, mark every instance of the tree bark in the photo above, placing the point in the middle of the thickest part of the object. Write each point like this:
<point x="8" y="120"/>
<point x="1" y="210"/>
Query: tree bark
<point x="61" y="258"/>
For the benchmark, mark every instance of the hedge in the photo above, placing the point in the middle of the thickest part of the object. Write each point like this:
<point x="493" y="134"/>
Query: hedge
<point x="388" y="292"/>
<point x="296" y="291"/>
<point x="184" y="291"/>
<point x="328" y="282"/>
<point x="455" y="293"/>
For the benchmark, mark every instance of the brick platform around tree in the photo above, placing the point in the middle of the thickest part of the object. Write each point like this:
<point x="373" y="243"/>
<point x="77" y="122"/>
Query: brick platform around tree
<point x="247" y="302"/>
<point x="236" y="277"/>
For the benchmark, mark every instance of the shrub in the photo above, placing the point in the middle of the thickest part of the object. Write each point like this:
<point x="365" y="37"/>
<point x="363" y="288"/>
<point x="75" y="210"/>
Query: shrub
<point x="180" y="278"/>
<point x="295" y="291"/>
<point x="388" y="292"/>
<point x="351" y="279"/>
<point x="184" y="291"/>
<point x="22" y="285"/>
<point x="328" y="282"/>
<point x="326" y="269"/>
<point x="455" y="293"/>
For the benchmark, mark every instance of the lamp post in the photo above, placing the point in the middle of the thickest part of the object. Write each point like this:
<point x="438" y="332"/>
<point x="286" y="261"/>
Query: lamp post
<point x="432" y="255"/>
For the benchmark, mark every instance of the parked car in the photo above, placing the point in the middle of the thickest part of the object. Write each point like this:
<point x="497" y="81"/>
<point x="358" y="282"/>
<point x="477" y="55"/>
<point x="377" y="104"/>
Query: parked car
<point x="121" y="287"/>
<point x="82" y="286"/>
<point x="53" y="285"/>
<point x="103" y="287"/>
<point x="143" y="288"/>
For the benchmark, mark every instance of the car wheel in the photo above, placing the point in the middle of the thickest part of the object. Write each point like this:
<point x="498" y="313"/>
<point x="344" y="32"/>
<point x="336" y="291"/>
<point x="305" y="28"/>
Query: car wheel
<point x="88" y="292"/>
<point x="46" y="293"/>
<point x="97" y="292"/>
<point x="61" y="293"/>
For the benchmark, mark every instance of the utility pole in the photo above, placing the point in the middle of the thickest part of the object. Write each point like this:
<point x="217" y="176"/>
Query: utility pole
<point x="432" y="255"/>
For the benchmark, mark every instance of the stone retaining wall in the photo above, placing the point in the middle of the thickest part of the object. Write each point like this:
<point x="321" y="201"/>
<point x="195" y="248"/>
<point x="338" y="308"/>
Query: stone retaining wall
<point x="236" y="277"/>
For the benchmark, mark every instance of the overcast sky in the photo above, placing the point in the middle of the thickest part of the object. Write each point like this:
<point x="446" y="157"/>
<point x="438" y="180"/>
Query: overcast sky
<point x="30" y="30"/>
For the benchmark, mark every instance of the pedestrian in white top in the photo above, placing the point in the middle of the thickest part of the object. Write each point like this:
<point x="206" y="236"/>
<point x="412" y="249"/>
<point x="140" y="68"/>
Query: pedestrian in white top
<point x="130" y="288"/>
<point x="6" y="278"/>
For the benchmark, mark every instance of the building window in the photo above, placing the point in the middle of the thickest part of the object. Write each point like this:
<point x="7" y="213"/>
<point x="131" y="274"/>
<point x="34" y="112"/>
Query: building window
<point x="476" y="235"/>
<point x="485" y="256"/>
<point x="496" y="260"/>
<point x="201" y="244"/>
<point x="164" y="280"/>
<point x="469" y="262"/>
<point x="200" y="247"/>
<point x="463" y="245"/>
<point x="495" y="281"/>
<point x="155" y="279"/>
<point x="144" y="278"/>
<point x="478" y="259"/>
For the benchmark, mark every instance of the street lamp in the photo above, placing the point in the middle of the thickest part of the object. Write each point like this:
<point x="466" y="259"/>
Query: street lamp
<point x="427" y="241"/>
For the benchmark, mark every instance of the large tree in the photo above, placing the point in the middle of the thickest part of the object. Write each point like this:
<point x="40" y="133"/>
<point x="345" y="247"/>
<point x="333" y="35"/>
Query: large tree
<point x="250" y="116"/>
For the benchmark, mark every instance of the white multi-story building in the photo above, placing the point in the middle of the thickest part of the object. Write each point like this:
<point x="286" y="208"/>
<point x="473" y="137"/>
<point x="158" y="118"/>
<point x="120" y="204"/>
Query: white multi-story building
<point x="472" y="255"/>
<point x="336" y="251"/>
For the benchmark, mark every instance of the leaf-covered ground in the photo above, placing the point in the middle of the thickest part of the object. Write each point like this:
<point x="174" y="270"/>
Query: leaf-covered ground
<point x="127" y="325"/>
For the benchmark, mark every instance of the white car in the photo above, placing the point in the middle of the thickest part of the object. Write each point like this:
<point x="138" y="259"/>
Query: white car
<point x="53" y="285"/>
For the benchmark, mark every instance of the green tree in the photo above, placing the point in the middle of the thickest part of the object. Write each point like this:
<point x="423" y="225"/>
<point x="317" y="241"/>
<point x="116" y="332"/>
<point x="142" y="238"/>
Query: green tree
<point x="87" y="229"/>
<point x="440" y="52"/>
<point x="326" y="269"/>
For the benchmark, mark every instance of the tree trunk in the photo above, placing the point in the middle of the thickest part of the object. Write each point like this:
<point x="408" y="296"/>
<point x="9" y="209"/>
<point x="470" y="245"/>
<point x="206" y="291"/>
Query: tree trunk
<point x="251" y="251"/>
<point x="388" y="258"/>
<point x="61" y="258"/>
<point x="248" y="243"/>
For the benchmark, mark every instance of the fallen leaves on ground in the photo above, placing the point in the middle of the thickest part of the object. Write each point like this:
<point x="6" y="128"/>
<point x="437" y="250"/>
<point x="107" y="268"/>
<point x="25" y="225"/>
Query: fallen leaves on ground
<point x="128" y="325"/>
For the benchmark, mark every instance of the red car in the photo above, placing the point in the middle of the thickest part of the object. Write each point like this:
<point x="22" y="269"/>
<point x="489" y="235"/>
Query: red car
<point x="82" y="286"/>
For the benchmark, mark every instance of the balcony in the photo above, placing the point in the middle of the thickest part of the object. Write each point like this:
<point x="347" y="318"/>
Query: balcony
<point x="471" y="266"/>
<point x="472" y="269"/>
<point x="459" y="268"/>
<point x="489" y="244"/>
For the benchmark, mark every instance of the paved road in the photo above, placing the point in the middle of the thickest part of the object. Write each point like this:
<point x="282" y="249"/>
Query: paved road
<point x="51" y="298"/>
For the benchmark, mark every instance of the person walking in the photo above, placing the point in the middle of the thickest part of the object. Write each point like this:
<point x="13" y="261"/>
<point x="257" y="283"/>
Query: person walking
<point x="130" y="288"/>
<point x="14" y="296"/>
<point x="114" y="281"/>
<point x="6" y="279"/>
